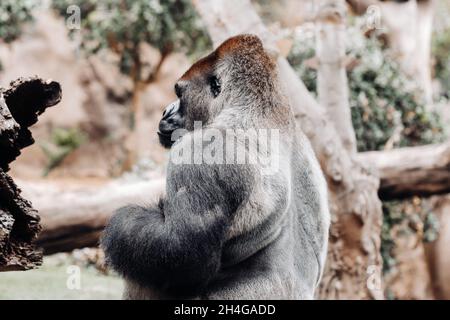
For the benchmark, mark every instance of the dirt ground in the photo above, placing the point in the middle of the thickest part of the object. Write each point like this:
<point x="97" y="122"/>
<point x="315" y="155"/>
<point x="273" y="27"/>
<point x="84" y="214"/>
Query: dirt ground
<point x="54" y="280"/>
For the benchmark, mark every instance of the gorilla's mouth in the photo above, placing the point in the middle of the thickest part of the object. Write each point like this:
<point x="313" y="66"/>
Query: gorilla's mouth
<point x="165" y="139"/>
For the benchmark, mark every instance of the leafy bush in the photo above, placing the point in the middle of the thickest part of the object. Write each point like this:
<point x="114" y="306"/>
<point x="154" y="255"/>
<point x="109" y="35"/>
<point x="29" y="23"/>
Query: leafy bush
<point x="386" y="107"/>
<point x="402" y="218"/>
<point x="440" y="50"/>
<point x="122" y="25"/>
<point x="13" y="14"/>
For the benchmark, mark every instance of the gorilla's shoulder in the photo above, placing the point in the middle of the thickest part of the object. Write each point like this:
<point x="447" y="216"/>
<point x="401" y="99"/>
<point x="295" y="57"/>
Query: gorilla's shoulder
<point x="190" y="168"/>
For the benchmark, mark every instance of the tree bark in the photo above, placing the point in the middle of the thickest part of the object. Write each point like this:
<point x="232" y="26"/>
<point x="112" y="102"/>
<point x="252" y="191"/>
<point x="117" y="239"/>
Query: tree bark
<point x="413" y="171"/>
<point x="438" y="251"/>
<point x="410" y="28"/>
<point x="20" y="106"/>
<point x="354" y="257"/>
<point x="360" y="7"/>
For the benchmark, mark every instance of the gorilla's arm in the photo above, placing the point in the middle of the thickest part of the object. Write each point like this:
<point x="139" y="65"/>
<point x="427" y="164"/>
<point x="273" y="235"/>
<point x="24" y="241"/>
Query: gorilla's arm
<point x="176" y="245"/>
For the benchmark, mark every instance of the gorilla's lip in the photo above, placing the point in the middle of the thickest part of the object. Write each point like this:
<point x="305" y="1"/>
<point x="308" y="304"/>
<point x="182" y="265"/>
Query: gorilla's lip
<point x="165" y="135"/>
<point x="165" y="139"/>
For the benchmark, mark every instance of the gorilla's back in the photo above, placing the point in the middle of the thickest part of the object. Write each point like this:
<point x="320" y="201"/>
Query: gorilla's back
<point x="283" y="255"/>
<point x="278" y="239"/>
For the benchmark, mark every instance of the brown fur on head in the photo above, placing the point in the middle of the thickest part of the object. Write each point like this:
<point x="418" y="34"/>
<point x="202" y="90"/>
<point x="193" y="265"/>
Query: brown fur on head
<point x="239" y="49"/>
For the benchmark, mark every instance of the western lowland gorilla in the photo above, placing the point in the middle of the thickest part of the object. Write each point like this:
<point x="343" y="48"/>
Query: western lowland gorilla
<point x="227" y="229"/>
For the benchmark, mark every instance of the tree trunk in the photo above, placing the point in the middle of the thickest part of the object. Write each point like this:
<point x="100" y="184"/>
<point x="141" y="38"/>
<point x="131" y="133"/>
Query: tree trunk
<point x="132" y="140"/>
<point x="332" y="84"/>
<point x="438" y="251"/>
<point x="20" y="106"/>
<point x="410" y="27"/>
<point x="354" y="261"/>
<point x="413" y="171"/>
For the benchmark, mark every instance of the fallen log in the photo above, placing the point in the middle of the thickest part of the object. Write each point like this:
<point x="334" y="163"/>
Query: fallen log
<point x="80" y="213"/>
<point x="74" y="217"/>
<point x="20" y="106"/>
<point x="412" y="171"/>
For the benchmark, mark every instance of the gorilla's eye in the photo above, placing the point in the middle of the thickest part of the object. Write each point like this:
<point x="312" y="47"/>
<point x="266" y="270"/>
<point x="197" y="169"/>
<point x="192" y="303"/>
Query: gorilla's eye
<point x="214" y="84"/>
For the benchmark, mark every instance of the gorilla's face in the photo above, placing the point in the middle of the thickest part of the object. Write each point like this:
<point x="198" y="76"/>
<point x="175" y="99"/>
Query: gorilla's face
<point x="232" y="74"/>
<point x="196" y="90"/>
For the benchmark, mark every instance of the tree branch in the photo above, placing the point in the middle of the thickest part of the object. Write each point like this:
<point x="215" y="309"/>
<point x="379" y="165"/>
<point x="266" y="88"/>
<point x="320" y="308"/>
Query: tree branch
<point x="359" y="7"/>
<point x="413" y="171"/>
<point x="77" y="219"/>
<point x="332" y="84"/>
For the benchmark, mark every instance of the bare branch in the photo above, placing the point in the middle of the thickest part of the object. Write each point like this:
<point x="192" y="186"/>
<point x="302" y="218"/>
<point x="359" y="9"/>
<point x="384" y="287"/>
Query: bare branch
<point x="406" y="172"/>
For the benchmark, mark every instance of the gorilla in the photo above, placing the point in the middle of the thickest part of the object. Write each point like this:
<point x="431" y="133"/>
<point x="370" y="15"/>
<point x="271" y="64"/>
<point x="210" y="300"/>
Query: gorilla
<point x="227" y="229"/>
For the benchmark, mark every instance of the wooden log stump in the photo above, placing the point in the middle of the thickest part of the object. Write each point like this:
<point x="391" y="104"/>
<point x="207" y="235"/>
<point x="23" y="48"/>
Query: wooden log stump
<point x="20" y="106"/>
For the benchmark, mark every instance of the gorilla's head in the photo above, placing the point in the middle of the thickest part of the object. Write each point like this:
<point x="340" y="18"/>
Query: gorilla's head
<point x="236" y="74"/>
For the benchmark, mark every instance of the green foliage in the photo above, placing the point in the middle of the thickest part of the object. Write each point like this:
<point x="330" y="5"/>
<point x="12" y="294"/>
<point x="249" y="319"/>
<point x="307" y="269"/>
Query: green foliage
<point x="406" y="218"/>
<point x="386" y="106"/>
<point x="441" y="50"/>
<point x="61" y="144"/>
<point x="13" y="14"/>
<point x="387" y="111"/>
<point x="122" y="25"/>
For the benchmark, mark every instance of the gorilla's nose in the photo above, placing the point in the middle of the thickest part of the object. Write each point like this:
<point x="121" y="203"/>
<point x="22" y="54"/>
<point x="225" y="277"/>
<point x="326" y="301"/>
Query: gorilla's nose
<point x="166" y="127"/>
<point x="171" y="109"/>
<point x="171" y="119"/>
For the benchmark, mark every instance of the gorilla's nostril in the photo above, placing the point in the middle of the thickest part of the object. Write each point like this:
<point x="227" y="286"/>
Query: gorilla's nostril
<point x="171" y="110"/>
<point x="165" y="127"/>
<point x="171" y="119"/>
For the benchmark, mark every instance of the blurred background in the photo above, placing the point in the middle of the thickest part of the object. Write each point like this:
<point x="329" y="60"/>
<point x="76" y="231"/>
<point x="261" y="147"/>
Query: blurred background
<point x="117" y="62"/>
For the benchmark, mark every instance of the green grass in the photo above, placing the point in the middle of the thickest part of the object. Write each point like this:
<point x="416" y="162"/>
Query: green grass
<point x="50" y="282"/>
